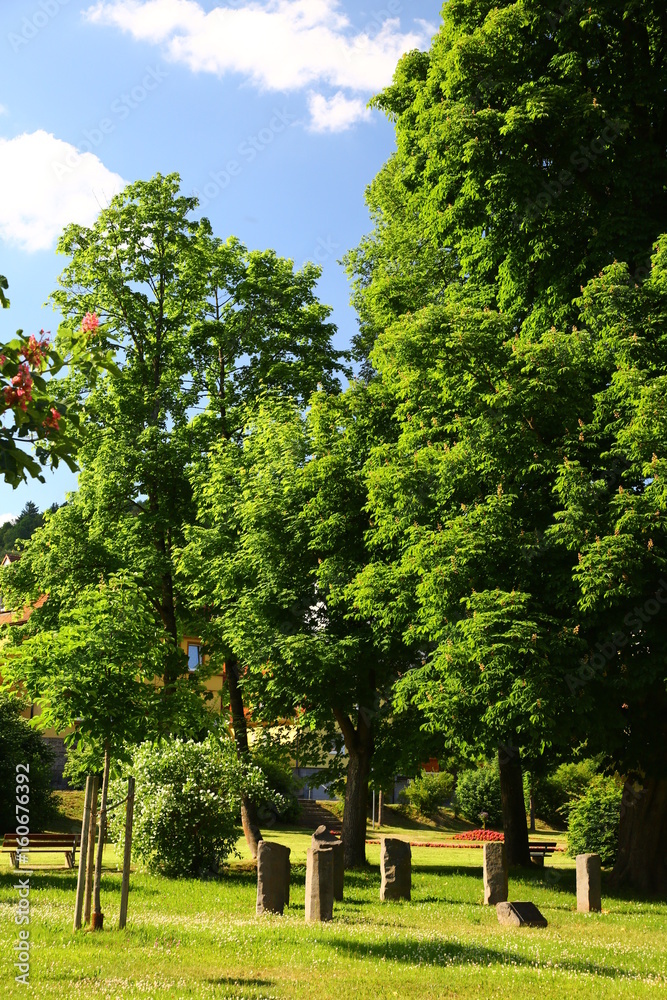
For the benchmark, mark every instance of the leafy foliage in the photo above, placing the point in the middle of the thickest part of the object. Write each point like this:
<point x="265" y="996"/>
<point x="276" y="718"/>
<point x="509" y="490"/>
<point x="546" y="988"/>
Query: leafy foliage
<point x="187" y="798"/>
<point x="593" y="820"/>
<point x="94" y="674"/>
<point x="430" y="791"/>
<point x="20" y="744"/>
<point x="280" y="540"/>
<point x="555" y="793"/>
<point x="22" y="528"/>
<point x="478" y="791"/>
<point x="521" y="508"/>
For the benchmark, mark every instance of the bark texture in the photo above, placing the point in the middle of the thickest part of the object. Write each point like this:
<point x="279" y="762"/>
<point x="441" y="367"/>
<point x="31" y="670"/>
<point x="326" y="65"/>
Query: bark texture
<point x="359" y="746"/>
<point x="641" y="862"/>
<point x="514" y="807"/>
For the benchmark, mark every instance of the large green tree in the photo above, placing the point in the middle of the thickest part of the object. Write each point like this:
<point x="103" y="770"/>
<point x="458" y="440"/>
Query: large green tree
<point x="198" y="328"/>
<point x="531" y="148"/>
<point x="281" y="538"/>
<point x="612" y="521"/>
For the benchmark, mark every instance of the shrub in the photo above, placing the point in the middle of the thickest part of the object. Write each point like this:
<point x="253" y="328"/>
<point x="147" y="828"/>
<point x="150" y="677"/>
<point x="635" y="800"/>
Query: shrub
<point x="478" y="791"/>
<point x="430" y="791"/>
<point x="594" y="820"/>
<point x="281" y="781"/>
<point x="555" y="793"/>
<point x="187" y="797"/>
<point x="21" y="744"/>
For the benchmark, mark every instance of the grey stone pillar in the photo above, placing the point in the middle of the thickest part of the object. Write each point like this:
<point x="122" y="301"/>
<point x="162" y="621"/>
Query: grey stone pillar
<point x="273" y="877"/>
<point x="496" y="887"/>
<point x="589" y="883"/>
<point x="396" y="865"/>
<point x="319" y="884"/>
<point x="322" y="838"/>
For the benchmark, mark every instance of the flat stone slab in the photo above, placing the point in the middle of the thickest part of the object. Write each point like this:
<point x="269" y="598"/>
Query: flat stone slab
<point x="520" y="915"/>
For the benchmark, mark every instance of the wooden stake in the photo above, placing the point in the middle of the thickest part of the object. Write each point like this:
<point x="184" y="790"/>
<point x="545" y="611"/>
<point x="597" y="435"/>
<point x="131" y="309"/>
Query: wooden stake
<point x="97" y="921"/>
<point x="125" y="887"/>
<point x="90" y="851"/>
<point x="81" y="878"/>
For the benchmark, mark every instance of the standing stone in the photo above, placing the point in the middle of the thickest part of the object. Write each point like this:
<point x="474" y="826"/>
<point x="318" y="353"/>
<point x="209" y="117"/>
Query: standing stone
<point x="495" y="874"/>
<point x="589" y="883"/>
<point x="319" y="884"/>
<point x="322" y="838"/>
<point x="273" y="877"/>
<point x="396" y="863"/>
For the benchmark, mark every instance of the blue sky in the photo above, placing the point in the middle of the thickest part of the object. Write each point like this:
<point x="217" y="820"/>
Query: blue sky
<point x="260" y="105"/>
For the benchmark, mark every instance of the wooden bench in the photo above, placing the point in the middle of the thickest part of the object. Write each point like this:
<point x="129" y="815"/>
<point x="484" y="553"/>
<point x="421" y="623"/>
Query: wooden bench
<point x="541" y="850"/>
<point x="45" y="843"/>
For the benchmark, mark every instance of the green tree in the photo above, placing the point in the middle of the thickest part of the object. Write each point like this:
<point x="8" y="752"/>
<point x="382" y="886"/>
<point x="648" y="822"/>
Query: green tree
<point x="611" y="522"/>
<point x="197" y="327"/>
<point x="281" y="538"/>
<point x="94" y="675"/>
<point x="525" y="164"/>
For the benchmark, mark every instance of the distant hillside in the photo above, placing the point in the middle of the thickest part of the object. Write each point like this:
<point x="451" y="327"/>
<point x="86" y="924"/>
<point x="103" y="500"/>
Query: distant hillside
<point x="23" y="527"/>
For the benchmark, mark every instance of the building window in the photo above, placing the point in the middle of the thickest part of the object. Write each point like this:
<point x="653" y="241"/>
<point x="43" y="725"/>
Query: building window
<point x="194" y="655"/>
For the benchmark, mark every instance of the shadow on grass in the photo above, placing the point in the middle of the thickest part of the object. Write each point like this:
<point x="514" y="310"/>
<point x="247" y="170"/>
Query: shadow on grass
<point x="41" y="879"/>
<point x="232" y="981"/>
<point x="447" y="953"/>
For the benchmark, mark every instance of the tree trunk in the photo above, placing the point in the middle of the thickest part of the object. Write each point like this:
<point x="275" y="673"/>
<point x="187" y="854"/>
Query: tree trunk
<point x="249" y="818"/>
<point x="532" y="810"/>
<point x="98" y="917"/>
<point x="641" y="863"/>
<point x="381" y="808"/>
<point x="359" y="746"/>
<point x="514" y="807"/>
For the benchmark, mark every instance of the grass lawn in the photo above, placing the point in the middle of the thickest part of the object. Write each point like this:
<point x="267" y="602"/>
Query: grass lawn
<point x="202" y="939"/>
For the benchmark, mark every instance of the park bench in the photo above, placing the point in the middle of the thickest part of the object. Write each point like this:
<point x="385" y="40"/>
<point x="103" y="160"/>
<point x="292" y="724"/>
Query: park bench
<point x="46" y="843"/>
<point x="540" y="851"/>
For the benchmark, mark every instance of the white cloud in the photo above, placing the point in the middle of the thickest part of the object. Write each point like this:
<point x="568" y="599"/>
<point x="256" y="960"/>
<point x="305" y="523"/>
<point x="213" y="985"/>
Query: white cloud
<point x="46" y="184"/>
<point x="277" y="44"/>
<point x="3" y="110"/>
<point x="8" y="517"/>
<point x="336" y="114"/>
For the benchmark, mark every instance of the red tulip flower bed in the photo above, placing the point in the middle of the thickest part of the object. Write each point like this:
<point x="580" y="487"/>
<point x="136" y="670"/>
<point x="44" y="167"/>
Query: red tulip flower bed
<point x="478" y="835"/>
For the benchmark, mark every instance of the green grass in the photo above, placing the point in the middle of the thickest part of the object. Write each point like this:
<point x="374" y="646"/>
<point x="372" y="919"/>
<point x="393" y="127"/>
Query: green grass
<point x="202" y="939"/>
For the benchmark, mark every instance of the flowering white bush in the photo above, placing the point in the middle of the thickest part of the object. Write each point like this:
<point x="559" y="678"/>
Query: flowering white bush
<point x="187" y="799"/>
